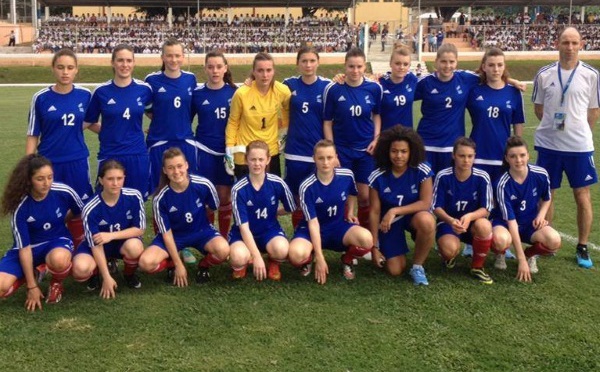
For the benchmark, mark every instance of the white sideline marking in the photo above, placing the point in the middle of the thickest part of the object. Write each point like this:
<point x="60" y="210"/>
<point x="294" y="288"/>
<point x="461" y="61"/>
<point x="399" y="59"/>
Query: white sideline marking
<point x="574" y="240"/>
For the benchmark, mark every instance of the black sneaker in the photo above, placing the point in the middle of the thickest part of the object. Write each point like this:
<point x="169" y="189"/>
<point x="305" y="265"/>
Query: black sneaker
<point x="113" y="266"/>
<point x="93" y="283"/>
<point x="202" y="276"/>
<point x="132" y="281"/>
<point x="170" y="275"/>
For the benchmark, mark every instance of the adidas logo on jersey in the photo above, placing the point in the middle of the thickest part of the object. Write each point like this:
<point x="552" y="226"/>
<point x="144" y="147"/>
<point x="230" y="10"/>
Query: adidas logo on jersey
<point x="386" y="92"/>
<point x="102" y="223"/>
<point x="434" y="91"/>
<point x="173" y="209"/>
<point x="450" y="192"/>
<point x="294" y="93"/>
<point x="162" y="90"/>
<point x="85" y="197"/>
<point x="588" y="178"/>
<point x="252" y="108"/>
<point x="552" y="84"/>
<point x="480" y="98"/>
<point x="205" y="102"/>
<point x="342" y="99"/>
<point x="111" y="102"/>
<point x="249" y="203"/>
<point x="30" y="219"/>
<point x="512" y="197"/>
<point x="319" y="200"/>
<point x="387" y="190"/>
<point x="51" y="108"/>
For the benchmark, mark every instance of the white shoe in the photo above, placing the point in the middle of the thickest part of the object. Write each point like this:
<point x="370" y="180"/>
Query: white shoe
<point x="500" y="262"/>
<point x="532" y="262"/>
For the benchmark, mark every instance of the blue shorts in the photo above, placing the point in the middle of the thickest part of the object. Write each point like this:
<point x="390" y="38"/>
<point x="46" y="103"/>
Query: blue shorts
<point x="444" y="229"/>
<point x="525" y="231"/>
<point x="495" y="171"/>
<point x="359" y="162"/>
<point x="111" y="250"/>
<point x="393" y="243"/>
<point x="137" y="172"/>
<point x="331" y="238"/>
<point x="11" y="264"/>
<point x="580" y="169"/>
<point x="75" y="174"/>
<point x="296" y="172"/>
<point x="213" y="167"/>
<point x="261" y="240"/>
<point x="156" y="151"/>
<point x="197" y="240"/>
<point x="439" y="160"/>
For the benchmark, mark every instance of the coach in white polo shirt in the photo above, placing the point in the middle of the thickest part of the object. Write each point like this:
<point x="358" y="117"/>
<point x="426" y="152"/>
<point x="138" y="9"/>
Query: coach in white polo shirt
<point x="566" y="95"/>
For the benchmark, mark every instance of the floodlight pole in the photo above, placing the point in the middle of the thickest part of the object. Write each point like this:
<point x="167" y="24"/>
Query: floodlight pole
<point x="419" y="34"/>
<point x="570" y="11"/>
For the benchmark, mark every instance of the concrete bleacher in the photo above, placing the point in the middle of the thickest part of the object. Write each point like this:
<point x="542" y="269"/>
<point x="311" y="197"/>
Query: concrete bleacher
<point x="16" y="50"/>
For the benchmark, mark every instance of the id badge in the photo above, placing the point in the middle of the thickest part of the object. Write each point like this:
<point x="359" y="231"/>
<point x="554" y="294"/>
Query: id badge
<point x="559" y="120"/>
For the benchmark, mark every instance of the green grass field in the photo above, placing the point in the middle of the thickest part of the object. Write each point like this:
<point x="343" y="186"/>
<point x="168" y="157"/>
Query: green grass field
<point x="375" y="323"/>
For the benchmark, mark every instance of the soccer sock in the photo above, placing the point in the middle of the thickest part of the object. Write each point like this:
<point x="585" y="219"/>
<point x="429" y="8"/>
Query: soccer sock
<point x="211" y="216"/>
<point x="481" y="247"/>
<point x="162" y="265"/>
<point x="58" y="277"/>
<point x="363" y="216"/>
<point x="537" y="249"/>
<point x="297" y="217"/>
<point x="13" y="288"/>
<point x="498" y="250"/>
<point x="81" y="280"/>
<point x="354" y="251"/>
<point x="305" y="261"/>
<point x="225" y="212"/>
<point x="130" y="266"/>
<point x="209" y="260"/>
<point x="75" y="227"/>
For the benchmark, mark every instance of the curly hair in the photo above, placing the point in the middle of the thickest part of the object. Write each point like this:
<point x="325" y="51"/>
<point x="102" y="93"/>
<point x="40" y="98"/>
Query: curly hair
<point x="19" y="183"/>
<point x="394" y="134"/>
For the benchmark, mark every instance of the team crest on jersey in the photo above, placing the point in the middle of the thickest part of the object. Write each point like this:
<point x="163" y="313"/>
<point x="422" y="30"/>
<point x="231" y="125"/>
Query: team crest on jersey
<point x="534" y="191"/>
<point x="459" y="89"/>
<point x="320" y="98"/>
<point x="387" y="190"/>
<point x="318" y="201"/>
<point x="51" y="108"/>
<point x="512" y="197"/>
<point x="58" y="212"/>
<point x="80" y="106"/>
<point x="368" y="99"/>
<point x="273" y="200"/>
<point x="162" y="90"/>
<point x="139" y="101"/>
<point x="172" y="209"/>
<point x="111" y="102"/>
<point x="128" y="215"/>
<point x="198" y="203"/>
<point x="229" y="102"/>
<point x="508" y="104"/>
<point x="30" y="219"/>
<point x="475" y="195"/>
<point x="102" y="223"/>
<point x="189" y="91"/>
<point x="408" y="88"/>
<point x="413" y="189"/>
<point x="343" y="195"/>
<point x="342" y="99"/>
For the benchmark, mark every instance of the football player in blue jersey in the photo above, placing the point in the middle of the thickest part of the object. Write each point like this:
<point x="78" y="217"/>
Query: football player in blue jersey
<point x="399" y="86"/>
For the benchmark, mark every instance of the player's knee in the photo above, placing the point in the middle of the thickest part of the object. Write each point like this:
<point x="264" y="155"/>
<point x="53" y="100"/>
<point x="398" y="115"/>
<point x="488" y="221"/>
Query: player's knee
<point x="239" y="255"/>
<point x="147" y="261"/>
<point x="500" y="242"/>
<point x="424" y="223"/>
<point x="482" y="228"/>
<point x="59" y="260"/>
<point x="553" y="240"/>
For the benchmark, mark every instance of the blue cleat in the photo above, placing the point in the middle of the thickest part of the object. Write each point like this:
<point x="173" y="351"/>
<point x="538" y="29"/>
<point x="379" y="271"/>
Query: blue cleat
<point x="583" y="257"/>
<point x="418" y="275"/>
<point x="509" y="255"/>
<point x="468" y="251"/>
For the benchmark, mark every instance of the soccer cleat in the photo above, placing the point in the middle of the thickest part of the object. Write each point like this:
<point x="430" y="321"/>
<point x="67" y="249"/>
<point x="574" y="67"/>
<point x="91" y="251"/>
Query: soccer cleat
<point x="583" y="257"/>
<point x="113" y="267"/>
<point x="500" y="262"/>
<point x="348" y="271"/>
<point x="40" y="272"/>
<point x="170" y="275"/>
<point x="532" y="262"/>
<point x="468" y="251"/>
<point x="482" y="276"/>
<point x="306" y="269"/>
<point x="418" y="275"/>
<point x="273" y="272"/>
<point x="93" y="282"/>
<point x="509" y="255"/>
<point x="188" y="257"/>
<point x="239" y="274"/>
<point x="54" y="293"/>
<point x="202" y="276"/>
<point x="133" y="281"/>
<point x="450" y="263"/>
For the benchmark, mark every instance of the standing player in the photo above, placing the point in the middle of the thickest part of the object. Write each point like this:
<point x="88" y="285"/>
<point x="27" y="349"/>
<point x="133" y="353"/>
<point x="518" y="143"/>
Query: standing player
<point x="114" y="222"/>
<point x="55" y="119"/>
<point x="256" y="199"/>
<point x="211" y="101"/>
<point x="180" y="212"/>
<point x="566" y="95"/>
<point x="171" y="111"/>
<point x="399" y="87"/>
<point x="323" y="196"/>
<point x="400" y="194"/>
<point x="121" y="103"/>
<point x="462" y="201"/>
<point x="523" y="198"/>
<point x="258" y="112"/>
<point x="306" y="121"/>
<point x="38" y="209"/>
<point x="352" y="122"/>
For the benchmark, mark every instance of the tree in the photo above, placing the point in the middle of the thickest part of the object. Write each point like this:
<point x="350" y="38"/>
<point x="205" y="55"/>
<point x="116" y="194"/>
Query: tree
<point x="445" y="13"/>
<point x="310" y="11"/>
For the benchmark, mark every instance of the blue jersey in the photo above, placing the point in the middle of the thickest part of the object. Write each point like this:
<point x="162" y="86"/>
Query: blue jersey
<point x="212" y="107"/>
<point x="122" y="111"/>
<point x="351" y="110"/>
<point x="35" y="222"/>
<point x="128" y="212"/>
<point x="185" y="212"/>
<point x="404" y="190"/>
<point x="443" y="109"/>
<point x="326" y="203"/>
<point x="258" y="208"/>
<point x="493" y="112"/>
<point x="458" y="198"/>
<point x="58" y="120"/>
<point x="171" y="107"/>
<point x="306" y="117"/>
<point x="520" y="201"/>
<point x="397" y="103"/>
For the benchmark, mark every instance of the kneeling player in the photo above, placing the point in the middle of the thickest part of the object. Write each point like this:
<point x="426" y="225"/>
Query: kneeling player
<point x="323" y="196"/>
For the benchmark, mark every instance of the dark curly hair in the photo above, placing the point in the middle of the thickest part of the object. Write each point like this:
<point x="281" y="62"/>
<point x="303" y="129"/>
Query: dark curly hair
<point x="399" y="133"/>
<point x="19" y="183"/>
